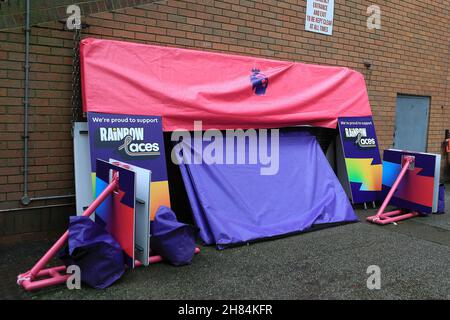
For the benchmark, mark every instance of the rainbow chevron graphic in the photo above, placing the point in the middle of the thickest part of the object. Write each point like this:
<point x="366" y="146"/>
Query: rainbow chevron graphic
<point x="362" y="171"/>
<point x="415" y="187"/>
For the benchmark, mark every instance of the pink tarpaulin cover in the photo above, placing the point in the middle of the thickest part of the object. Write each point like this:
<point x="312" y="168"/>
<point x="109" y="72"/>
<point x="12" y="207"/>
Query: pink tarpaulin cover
<point x="224" y="91"/>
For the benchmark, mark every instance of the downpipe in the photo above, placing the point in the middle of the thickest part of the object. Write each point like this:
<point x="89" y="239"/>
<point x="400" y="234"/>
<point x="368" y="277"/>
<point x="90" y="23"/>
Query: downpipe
<point x="26" y="200"/>
<point x="38" y="207"/>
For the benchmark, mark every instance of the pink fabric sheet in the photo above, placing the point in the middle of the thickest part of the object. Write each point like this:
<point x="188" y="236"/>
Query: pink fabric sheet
<point x="184" y="85"/>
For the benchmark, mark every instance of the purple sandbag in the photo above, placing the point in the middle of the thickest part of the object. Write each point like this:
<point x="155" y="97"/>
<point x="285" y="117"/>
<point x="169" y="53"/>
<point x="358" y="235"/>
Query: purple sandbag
<point x="172" y="240"/>
<point x="95" y="251"/>
<point x="234" y="203"/>
<point x="441" y="199"/>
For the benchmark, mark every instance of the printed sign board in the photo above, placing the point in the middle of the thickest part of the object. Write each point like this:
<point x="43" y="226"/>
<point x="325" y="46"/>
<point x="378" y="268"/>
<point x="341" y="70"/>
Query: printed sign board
<point x="362" y="158"/>
<point x="117" y="211"/>
<point x="82" y="166"/>
<point x="419" y="188"/>
<point x="142" y="216"/>
<point x="136" y="140"/>
<point x="319" y="16"/>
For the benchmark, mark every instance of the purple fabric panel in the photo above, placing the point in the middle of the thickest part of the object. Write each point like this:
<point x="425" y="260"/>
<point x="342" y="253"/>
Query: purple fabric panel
<point x="200" y="217"/>
<point x="235" y="203"/>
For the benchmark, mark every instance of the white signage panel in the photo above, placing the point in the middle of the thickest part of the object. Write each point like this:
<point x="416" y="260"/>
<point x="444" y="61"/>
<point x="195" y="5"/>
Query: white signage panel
<point x="319" y="16"/>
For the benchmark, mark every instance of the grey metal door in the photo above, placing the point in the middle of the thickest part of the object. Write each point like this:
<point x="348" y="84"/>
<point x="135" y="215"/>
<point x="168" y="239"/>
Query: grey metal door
<point x="411" y="123"/>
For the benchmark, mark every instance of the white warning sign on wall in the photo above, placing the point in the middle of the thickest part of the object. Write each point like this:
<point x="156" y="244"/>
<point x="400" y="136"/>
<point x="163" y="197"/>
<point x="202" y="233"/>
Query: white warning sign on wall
<point x="319" y="16"/>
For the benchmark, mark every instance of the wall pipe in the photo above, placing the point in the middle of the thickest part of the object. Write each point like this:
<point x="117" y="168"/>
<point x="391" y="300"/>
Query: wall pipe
<point x="53" y="197"/>
<point x="38" y="207"/>
<point x="25" y="198"/>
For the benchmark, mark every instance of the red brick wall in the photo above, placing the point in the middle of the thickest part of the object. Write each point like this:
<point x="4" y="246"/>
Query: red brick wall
<point x="410" y="55"/>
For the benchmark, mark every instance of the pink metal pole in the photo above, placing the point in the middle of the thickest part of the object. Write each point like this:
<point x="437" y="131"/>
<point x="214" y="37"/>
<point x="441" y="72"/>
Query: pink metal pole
<point x="54" y="278"/>
<point x="385" y="219"/>
<point x="156" y="259"/>
<point x="30" y="275"/>
<point x="389" y="217"/>
<point x="407" y="162"/>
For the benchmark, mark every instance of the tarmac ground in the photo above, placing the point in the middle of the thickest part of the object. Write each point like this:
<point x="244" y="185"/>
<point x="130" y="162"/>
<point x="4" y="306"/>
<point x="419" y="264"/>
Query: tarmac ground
<point x="413" y="257"/>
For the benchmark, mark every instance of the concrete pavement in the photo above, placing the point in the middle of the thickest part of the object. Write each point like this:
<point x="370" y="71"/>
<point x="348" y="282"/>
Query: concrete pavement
<point x="327" y="264"/>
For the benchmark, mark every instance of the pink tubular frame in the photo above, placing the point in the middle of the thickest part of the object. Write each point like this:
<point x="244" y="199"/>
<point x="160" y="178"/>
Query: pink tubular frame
<point x="57" y="275"/>
<point x="384" y="218"/>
